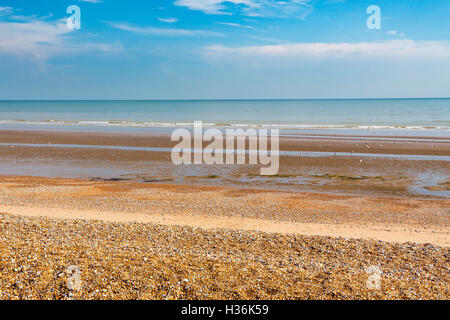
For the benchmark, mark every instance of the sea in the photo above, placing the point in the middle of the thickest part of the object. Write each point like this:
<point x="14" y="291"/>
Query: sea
<point x="422" y="117"/>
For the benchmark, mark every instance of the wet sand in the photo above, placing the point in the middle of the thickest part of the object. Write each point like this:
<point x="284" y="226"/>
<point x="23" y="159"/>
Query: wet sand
<point x="333" y="143"/>
<point x="362" y="173"/>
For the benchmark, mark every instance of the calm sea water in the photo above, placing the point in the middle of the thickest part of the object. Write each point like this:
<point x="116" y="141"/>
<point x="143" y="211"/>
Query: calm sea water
<point x="424" y="114"/>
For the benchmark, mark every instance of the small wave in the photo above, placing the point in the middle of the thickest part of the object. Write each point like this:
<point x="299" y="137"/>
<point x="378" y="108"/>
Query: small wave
<point x="142" y="124"/>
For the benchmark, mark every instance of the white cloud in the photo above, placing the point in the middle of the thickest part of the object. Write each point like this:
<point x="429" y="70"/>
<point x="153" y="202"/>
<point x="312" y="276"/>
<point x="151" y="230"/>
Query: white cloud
<point x="168" y="20"/>
<point x="395" y="32"/>
<point x="5" y="10"/>
<point x="36" y="38"/>
<point x="42" y="40"/>
<point x="209" y="6"/>
<point x="231" y="24"/>
<point x="392" y="32"/>
<point x="387" y="49"/>
<point x="162" y="31"/>
<point x="254" y="8"/>
<point x="91" y="1"/>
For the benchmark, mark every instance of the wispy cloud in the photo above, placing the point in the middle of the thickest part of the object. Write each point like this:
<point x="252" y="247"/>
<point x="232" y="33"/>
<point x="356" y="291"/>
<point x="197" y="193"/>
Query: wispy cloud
<point x="208" y="6"/>
<point x="33" y="17"/>
<point x="387" y="49"/>
<point x="91" y="1"/>
<point x="168" y="20"/>
<point x="162" y="31"/>
<point x="254" y="8"/>
<point x="33" y="37"/>
<point x="5" y="10"/>
<point x="395" y="32"/>
<point x="231" y="24"/>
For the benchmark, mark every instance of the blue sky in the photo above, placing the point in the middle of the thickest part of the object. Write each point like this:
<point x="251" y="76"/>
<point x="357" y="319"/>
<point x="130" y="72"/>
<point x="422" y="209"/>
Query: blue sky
<point x="209" y="49"/>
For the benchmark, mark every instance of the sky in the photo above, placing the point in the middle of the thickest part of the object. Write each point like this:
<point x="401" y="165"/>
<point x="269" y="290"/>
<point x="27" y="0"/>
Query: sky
<point x="213" y="49"/>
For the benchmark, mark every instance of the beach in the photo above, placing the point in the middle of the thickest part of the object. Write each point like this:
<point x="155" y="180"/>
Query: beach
<point x="138" y="226"/>
<point x="235" y="157"/>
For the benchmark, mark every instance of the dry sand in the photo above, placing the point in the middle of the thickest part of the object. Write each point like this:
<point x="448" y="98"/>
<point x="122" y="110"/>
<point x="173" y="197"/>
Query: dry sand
<point x="438" y="235"/>
<point x="387" y="219"/>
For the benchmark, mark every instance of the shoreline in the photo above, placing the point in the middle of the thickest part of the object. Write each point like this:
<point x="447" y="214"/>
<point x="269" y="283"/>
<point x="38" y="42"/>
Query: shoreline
<point x="411" y="145"/>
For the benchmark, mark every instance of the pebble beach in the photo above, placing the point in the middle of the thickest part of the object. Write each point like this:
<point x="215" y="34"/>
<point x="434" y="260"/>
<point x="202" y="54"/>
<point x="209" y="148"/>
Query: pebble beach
<point x="76" y="239"/>
<point x="146" y="261"/>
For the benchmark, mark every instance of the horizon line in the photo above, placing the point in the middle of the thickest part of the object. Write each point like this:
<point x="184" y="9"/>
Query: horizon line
<point x="233" y="99"/>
